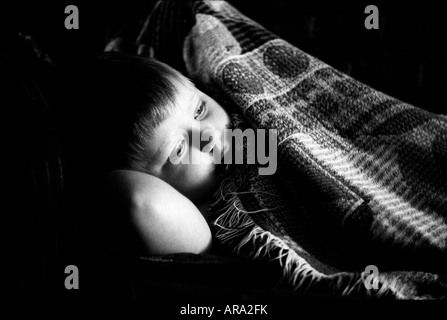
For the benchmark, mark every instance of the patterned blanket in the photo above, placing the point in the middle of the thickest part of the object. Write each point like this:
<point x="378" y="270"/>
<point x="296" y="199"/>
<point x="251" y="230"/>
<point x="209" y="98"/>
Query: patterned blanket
<point x="358" y="204"/>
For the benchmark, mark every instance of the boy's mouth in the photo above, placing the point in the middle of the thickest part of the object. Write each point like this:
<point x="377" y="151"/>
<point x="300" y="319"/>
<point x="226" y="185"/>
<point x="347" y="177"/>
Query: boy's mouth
<point x="221" y="169"/>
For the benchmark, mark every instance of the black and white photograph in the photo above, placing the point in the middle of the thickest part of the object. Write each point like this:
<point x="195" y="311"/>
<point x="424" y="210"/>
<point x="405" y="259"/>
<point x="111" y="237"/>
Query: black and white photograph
<point x="226" y="158"/>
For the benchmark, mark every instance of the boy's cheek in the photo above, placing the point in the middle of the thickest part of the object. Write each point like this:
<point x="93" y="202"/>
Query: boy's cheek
<point x="225" y="118"/>
<point x="196" y="174"/>
<point x="222" y="114"/>
<point x="195" y="177"/>
<point x="201" y="160"/>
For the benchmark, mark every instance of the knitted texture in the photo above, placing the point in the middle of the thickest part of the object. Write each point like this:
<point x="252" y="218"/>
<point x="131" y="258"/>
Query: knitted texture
<point x="362" y="176"/>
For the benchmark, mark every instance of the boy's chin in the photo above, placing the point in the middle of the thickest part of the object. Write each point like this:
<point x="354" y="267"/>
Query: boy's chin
<point x="207" y="190"/>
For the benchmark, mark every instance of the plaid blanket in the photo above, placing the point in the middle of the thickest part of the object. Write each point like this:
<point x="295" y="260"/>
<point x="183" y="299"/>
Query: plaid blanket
<point x="362" y="176"/>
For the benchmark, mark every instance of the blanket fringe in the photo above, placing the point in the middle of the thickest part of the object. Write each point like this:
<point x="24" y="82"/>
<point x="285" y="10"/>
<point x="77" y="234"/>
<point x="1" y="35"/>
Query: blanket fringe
<point x="234" y="226"/>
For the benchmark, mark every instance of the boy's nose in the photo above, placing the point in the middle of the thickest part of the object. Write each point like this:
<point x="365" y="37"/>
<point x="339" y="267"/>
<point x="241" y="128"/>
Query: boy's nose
<point x="211" y="140"/>
<point x="207" y="146"/>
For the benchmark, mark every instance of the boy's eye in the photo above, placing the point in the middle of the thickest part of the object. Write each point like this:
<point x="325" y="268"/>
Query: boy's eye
<point x="180" y="149"/>
<point x="200" y="111"/>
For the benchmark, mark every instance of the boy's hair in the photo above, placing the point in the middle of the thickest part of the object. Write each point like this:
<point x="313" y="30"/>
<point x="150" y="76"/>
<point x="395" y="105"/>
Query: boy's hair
<point x="117" y="100"/>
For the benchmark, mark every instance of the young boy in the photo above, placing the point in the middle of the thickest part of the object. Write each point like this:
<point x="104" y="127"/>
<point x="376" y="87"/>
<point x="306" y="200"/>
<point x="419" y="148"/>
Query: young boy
<point x="135" y="117"/>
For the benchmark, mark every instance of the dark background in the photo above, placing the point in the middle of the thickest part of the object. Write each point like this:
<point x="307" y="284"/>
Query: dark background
<point x="405" y="58"/>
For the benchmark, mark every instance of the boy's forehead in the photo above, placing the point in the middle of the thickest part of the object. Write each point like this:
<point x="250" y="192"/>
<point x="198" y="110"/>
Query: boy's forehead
<point x="186" y="94"/>
<point x="185" y="84"/>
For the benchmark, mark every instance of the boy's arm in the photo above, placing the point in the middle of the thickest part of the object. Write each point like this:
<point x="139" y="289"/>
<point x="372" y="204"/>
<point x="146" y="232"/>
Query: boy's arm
<point x="165" y="220"/>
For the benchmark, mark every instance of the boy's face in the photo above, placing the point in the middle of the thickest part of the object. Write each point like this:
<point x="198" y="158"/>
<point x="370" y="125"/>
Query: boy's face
<point x="195" y="114"/>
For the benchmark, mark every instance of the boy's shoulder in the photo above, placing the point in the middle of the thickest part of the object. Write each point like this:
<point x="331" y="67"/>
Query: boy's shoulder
<point x="166" y="221"/>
